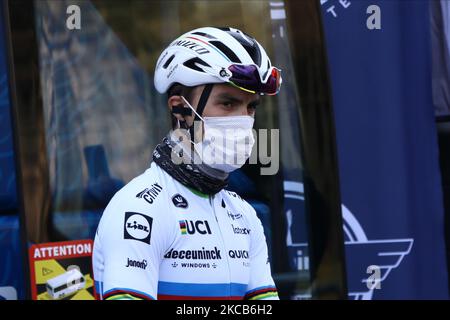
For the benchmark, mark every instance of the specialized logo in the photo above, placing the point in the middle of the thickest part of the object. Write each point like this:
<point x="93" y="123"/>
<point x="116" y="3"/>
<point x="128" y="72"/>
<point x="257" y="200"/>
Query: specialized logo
<point x="202" y="254"/>
<point x="136" y="264"/>
<point x="179" y="201"/>
<point x="193" y="227"/>
<point x="238" y="254"/>
<point x="191" y="45"/>
<point x="150" y="194"/>
<point x="239" y="230"/>
<point x="137" y="227"/>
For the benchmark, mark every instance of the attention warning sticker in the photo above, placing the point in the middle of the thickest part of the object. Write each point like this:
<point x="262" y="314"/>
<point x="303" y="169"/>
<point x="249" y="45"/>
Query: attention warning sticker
<point x="62" y="270"/>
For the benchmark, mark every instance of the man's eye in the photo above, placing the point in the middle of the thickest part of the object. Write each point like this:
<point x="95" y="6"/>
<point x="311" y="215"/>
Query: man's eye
<point x="228" y="104"/>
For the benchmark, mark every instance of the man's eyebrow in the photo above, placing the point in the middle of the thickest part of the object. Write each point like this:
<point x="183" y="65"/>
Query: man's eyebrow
<point x="227" y="96"/>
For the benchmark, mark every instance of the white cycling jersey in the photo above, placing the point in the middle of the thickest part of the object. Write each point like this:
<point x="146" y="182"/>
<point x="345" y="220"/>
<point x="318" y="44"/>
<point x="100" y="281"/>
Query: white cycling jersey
<point x="158" y="239"/>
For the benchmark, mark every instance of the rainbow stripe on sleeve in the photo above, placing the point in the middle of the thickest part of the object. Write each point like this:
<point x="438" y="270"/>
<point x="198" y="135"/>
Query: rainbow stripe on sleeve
<point x="262" y="293"/>
<point x="126" y="294"/>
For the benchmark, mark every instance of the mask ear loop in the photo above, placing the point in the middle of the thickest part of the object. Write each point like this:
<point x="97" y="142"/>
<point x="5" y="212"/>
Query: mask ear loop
<point x="193" y="110"/>
<point x="183" y="125"/>
<point x="183" y="111"/>
<point x="200" y="107"/>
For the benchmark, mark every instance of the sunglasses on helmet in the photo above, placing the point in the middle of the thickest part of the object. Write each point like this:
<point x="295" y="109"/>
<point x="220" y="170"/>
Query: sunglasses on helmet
<point x="247" y="78"/>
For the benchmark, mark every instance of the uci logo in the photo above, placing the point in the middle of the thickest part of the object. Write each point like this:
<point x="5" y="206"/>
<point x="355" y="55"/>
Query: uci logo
<point x="179" y="201"/>
<point x="137" y="227"/>
<point x="192" y="227"/>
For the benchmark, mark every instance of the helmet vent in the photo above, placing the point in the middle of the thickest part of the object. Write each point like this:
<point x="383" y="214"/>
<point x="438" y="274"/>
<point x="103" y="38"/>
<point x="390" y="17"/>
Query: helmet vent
<point x="168" y="61"/>
<point x="250" y="46"/>
<point x="192" y="63"/>
<point x="204" y="35"/>
<point x="253" y="52"/>
<point x="227" y="51"/>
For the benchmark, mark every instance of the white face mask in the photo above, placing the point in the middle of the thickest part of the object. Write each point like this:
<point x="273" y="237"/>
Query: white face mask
<point x="227" y="142"/>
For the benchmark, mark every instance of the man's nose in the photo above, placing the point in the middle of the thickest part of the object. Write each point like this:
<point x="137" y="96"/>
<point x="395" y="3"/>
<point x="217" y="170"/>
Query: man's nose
<point x="244" y="111"/>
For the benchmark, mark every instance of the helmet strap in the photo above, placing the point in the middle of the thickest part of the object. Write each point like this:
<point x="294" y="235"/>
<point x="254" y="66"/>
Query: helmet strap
<point x="182" y="110"/>
<point x="201" y="106"/>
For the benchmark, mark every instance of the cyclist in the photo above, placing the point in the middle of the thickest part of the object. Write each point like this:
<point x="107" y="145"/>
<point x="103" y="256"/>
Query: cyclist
<point x="174" y="232"/>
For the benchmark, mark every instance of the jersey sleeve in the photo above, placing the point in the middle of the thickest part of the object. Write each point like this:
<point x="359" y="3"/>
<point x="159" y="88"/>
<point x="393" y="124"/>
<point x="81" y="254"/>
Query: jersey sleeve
<point x="261" y="285"/>
<point x="130" y="243"/>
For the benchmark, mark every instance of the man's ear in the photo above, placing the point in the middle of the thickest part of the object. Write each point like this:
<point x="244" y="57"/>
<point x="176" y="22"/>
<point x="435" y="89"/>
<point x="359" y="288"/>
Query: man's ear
<point x="178" y="109"/>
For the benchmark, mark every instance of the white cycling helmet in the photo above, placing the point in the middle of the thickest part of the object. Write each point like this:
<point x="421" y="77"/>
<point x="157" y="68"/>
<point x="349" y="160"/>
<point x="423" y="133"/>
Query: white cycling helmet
<point x="217" y="55"/>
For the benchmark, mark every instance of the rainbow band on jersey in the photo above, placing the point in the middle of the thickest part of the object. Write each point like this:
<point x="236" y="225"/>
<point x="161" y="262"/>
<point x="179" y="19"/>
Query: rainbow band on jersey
<point x="262" y="293"/>
<point x="256" y="294"/>
<point x="126" y="294"/>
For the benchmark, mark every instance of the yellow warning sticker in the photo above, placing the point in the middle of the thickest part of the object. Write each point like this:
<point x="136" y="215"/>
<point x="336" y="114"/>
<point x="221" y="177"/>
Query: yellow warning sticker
<point x="62" y="270"/>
